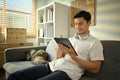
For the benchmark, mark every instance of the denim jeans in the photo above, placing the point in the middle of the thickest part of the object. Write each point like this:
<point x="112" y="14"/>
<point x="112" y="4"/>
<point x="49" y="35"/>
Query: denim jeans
<point x="40" y="72"/>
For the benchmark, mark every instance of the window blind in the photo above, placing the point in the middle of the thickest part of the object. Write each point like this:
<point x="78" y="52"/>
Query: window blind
<point x="2" y="16"/>
<point x="1" y="12"/>
<point x="19" y="5"/>
<point x="18" y="14"/>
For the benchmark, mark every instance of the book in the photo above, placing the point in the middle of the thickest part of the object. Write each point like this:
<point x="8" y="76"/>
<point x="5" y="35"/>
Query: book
<point x="65" y="42"/>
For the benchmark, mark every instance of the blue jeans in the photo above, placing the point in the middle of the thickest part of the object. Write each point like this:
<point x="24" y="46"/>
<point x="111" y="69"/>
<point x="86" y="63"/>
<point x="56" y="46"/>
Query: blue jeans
<point x="40" y="72"/>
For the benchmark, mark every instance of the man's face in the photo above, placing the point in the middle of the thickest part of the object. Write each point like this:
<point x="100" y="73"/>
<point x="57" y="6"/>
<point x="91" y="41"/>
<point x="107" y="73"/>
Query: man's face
<point x="81" y="25"/>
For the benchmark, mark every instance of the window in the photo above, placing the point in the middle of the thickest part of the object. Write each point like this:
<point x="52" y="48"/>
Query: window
<point x="18" y="14"/>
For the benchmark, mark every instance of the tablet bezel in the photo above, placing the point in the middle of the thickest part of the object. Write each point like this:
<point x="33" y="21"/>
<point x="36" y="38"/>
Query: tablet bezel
<point x="65" y="42"/>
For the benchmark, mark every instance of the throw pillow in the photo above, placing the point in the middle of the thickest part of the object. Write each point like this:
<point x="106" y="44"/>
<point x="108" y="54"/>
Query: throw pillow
<point x="51" y="49"/>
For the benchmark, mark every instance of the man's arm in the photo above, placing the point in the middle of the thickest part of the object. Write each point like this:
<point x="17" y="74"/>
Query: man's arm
<point x="92" y="66"/>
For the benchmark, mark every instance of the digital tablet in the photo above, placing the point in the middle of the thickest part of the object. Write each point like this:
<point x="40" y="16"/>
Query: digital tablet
<point x="65" y="42"/>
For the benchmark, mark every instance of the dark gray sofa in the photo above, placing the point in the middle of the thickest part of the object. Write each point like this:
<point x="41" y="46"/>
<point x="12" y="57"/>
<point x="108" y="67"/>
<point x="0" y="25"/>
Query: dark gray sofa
<point x="110" y="69"/>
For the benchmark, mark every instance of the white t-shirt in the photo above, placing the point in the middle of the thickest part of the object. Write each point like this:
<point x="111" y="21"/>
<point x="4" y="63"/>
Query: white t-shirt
<point x="87" y="49"/>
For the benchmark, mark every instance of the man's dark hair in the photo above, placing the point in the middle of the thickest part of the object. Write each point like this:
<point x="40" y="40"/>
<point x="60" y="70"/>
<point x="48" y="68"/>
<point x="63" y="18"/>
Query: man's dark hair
<point x="86" y="15"/>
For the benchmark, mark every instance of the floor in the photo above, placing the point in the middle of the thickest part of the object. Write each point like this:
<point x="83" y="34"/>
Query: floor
<point x="2" y="74"/>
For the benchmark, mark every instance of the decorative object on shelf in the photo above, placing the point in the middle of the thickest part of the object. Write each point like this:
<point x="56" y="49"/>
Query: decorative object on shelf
<point x="88" y="5"/>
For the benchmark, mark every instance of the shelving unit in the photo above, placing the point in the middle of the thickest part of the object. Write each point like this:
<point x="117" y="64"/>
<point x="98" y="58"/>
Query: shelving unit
<point x="52" y="21"/>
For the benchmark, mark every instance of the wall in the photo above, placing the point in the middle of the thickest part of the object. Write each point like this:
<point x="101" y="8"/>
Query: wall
<point x="107" y="19"/>
<point x="41" y="3"/>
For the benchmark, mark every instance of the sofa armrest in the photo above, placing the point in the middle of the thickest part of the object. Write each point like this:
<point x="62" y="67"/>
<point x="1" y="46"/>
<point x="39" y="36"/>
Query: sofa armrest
<point x="19" y="53"/>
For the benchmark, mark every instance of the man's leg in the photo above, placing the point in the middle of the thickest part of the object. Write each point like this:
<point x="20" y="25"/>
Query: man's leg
<point x="31" y="73"/>
<point x="57" y="75"/>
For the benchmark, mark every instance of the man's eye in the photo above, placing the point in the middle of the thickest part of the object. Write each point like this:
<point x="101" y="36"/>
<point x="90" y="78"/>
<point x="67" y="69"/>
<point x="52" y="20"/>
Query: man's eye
<point x="80" y="23"/>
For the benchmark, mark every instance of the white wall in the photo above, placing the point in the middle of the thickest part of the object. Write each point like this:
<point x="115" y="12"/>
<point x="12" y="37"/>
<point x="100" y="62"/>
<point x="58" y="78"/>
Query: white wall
<point x="107" y="20"/>
<point x="41" y="3"/>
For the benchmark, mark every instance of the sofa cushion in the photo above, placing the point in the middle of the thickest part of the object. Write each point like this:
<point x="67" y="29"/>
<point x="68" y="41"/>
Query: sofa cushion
<point x="86" y="78"/>
<point x="51" y="49"/>
<point x="11" y="67"/>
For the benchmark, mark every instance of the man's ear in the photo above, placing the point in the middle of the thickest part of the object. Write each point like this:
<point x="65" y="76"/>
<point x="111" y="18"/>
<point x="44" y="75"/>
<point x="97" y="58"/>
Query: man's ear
<point x="89" y="22"/>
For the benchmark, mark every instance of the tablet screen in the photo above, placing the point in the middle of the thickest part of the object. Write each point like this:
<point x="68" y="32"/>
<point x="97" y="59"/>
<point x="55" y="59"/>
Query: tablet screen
<point x="65" y="42"/>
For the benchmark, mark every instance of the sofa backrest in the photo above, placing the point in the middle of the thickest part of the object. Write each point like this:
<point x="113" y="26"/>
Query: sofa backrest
<point x="19" y="53"/>
<point x="110" y="69"/>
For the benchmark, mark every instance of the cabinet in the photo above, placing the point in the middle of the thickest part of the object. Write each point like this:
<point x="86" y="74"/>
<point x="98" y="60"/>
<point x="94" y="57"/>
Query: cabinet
<point x="4" y="46"/>
<point x="52" y="21"/>
<point x="16" y="34"/>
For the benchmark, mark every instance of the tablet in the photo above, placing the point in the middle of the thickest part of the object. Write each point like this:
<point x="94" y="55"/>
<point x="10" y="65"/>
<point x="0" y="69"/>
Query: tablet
<point x="65" y="42"/>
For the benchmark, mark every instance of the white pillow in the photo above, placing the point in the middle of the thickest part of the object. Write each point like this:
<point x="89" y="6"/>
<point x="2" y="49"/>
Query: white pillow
<point x="51" y="49"/>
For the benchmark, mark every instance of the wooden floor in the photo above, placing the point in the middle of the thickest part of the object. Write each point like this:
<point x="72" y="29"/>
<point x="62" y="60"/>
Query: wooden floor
<point x="2" y="74"/>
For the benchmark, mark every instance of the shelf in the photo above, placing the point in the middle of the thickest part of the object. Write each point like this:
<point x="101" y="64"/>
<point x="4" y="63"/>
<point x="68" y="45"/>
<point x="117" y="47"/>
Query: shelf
<point x="51" y="22"/>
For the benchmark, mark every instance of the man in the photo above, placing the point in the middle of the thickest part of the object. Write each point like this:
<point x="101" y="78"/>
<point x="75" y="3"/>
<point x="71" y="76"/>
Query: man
<point x="69" y="66"/>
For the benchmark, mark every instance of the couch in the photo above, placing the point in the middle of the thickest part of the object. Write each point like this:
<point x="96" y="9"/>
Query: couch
<point x="110" y="69"/>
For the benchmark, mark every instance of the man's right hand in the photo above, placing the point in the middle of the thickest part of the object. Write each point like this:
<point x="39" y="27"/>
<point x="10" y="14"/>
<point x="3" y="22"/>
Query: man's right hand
<point x="59" y="53"/>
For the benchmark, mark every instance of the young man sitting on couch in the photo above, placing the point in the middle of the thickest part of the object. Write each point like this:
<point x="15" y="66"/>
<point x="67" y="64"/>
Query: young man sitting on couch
<point x="69" y="66"/>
